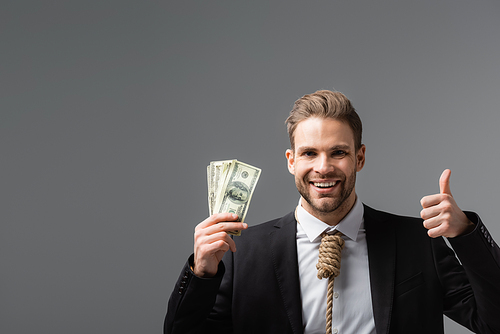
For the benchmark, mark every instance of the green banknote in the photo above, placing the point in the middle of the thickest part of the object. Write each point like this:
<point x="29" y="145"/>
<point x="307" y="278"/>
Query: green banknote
<point x="231" y="184"/>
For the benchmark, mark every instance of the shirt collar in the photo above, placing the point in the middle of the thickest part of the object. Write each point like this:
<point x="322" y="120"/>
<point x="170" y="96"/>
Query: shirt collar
<point x="349" y="226"/>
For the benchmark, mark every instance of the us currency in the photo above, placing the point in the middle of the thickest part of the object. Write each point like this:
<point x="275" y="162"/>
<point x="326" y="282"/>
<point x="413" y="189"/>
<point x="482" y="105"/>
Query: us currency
<point x="231" y="185"/>
<point x="217" y="171"/>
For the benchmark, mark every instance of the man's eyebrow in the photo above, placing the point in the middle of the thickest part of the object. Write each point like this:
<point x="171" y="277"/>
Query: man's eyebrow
<point x="305" y="148"/>
<point x="344" y="147"/>
<point x="340" y="147"/>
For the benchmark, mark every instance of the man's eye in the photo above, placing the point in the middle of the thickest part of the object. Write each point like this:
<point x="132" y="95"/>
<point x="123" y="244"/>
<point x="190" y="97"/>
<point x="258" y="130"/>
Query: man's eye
<point x="339" y="153"/>
<point x="309" y="154"/>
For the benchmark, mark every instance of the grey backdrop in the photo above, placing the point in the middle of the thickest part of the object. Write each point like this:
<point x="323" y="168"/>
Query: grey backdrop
<point x="110" y="111"/>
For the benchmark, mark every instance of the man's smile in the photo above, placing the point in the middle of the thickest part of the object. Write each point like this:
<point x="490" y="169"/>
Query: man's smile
<point x="324" y="187"/>
<point x="324" y="184"/>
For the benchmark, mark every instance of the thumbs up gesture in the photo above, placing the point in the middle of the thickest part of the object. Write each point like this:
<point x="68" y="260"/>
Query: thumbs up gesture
<point x="441" y="214"/>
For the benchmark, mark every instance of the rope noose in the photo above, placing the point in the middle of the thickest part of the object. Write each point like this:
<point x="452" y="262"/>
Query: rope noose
<point x="329" y="267"/>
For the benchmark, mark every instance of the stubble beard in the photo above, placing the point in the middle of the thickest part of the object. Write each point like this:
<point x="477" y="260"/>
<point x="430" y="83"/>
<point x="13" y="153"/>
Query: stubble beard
<point x="335" y="203"/>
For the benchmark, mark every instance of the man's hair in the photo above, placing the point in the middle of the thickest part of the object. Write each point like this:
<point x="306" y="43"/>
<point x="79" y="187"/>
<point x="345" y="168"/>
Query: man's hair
<point x="324" y="104"/>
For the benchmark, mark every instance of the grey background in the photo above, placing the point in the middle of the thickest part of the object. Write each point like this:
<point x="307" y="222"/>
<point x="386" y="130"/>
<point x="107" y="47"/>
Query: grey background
<point x="110" y="111"/>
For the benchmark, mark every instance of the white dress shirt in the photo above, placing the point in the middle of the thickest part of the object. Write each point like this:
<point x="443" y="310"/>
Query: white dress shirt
<point x="352" y="302"/>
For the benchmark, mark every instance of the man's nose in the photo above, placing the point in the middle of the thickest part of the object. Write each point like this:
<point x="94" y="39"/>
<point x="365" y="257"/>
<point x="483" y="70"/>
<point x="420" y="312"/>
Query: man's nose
<point x="324" y="165"/>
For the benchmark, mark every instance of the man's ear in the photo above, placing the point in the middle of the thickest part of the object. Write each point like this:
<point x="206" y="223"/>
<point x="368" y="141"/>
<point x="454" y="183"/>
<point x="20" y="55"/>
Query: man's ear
<point x="360" y="158"/>
<point x="290" y="157"/>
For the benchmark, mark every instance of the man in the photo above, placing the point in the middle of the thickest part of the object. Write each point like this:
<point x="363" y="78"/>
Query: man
<point x="396" y="276"/>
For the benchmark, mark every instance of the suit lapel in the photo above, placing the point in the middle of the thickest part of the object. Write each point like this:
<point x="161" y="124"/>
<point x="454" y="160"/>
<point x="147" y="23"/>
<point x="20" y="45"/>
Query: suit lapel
<point x="381" y="243"/>
<point x="284" y="255"/>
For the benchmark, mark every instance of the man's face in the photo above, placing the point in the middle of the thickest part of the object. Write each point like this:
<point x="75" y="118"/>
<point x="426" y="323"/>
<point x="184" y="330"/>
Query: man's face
<point x="324" y="162"/>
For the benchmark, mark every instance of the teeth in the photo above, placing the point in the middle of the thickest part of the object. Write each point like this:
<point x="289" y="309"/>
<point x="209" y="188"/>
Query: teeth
<point x="324" y="184"/>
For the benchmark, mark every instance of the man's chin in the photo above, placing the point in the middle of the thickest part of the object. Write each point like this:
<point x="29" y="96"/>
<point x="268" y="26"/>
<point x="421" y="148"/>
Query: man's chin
<point x="324" y="205"/>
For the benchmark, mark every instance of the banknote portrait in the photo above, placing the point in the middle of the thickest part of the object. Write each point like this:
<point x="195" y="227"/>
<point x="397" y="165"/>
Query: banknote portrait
<point x="238" y="192"/>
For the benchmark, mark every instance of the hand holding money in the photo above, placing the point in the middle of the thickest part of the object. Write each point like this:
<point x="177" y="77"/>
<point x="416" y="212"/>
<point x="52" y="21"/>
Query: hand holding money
<point x="230" y="187"/>
<point x="211" y="241"/>
<point x="231" y="184"/>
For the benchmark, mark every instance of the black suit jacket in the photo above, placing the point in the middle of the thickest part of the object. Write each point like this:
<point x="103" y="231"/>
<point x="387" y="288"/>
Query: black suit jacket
<point x="414" y="281"/>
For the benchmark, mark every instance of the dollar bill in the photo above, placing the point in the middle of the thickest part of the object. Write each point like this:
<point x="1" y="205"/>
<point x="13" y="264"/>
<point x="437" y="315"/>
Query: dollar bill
<point x="231" y="184"/>
<point x="217" y="171"/>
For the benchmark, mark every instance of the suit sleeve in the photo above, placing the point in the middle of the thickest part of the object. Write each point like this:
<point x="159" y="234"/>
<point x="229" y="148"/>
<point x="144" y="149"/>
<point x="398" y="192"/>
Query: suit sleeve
<point x="191" y="304"/>
<point x="475" y="302"/>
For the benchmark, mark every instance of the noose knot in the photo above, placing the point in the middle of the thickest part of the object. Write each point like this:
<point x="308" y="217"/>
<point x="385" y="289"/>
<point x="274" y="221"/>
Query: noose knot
<point x="329" y="256"/>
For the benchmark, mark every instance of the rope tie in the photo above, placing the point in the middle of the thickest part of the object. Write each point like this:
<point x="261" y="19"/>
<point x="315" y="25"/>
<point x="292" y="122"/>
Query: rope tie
<point x="329" y="267"/>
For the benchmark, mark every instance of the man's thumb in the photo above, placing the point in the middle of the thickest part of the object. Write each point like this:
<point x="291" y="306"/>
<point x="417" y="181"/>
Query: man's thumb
<point x="444" y="182"/>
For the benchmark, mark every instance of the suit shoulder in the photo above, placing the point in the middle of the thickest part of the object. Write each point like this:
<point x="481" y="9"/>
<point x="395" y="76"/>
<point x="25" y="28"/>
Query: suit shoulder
<point x="268" y="226"/>
<point x="379" y="218"/>
<point x="382" y="215"/>
<point x="405" y="227"/>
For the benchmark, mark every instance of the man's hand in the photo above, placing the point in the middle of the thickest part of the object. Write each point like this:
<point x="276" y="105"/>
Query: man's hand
<point x="441" y="214"/>
<point x="211" y="242"/>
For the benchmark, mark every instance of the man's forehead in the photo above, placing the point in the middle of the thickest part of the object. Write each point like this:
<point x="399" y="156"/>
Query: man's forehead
<point x="323" y="129"/>
<point x="315" y="121"/>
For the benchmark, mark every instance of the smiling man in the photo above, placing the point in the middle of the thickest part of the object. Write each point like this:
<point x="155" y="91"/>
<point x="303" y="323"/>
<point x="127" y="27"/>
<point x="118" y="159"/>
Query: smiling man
<point x="397" y="274"/>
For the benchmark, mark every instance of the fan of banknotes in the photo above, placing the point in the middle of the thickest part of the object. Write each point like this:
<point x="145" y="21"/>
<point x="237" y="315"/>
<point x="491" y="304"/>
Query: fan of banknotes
<point x="230" y="187"/>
